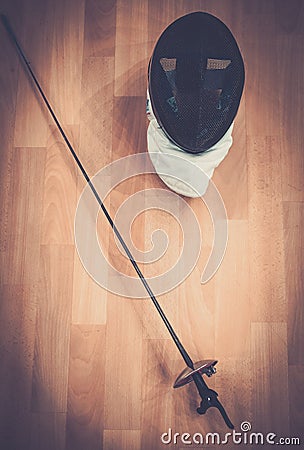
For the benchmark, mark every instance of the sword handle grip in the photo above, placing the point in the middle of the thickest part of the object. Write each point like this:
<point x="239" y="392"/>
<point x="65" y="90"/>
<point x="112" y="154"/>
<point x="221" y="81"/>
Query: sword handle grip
<point x="209" y="399"/>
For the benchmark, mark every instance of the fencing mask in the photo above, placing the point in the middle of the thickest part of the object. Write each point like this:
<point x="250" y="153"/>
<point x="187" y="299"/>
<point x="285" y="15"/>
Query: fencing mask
<point x="196" y="79"/>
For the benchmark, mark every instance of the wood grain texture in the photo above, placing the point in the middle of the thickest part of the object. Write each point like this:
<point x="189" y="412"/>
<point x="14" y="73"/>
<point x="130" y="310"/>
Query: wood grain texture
<point x="233" y="337"/>
<point x="291" y="100"/>
<point x="66" y="58"/>
<point x="238" y="396"/>
<point x="89" y="299"/>
<point x="85" y="368"/>
<point x="123" y="367"/>
<point x="261" y="93"/>
<point x="196" y="316"/>
<point x="52" y="425"/>
<point x="95" y="147"/>
<point x="85" y="417"/>
<point x="131" y="58"/>
<point x="294" y="252"/>
<point x="31" y="128"/>
<point x="157" y="401"/>
<point x="295" y="380"/>
<point x="60" y="178"/>
<point x="289" y="20"/>
<point x="231" y="176"/>
<point x="50" y="370"/>
<point x="8" y="83"/>
<point x="129" y="125"/>
<point x="269" y="343"/>
<point x="121" y="439"/>
<point x="18" y="309"/>
<point x="267" y="284"/>
<point x="100" y="28"/>
<point x="25" y="213"/>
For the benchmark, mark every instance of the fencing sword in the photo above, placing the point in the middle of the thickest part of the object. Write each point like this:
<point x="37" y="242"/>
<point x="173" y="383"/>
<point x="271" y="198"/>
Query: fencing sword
<point x="194" y="370"/>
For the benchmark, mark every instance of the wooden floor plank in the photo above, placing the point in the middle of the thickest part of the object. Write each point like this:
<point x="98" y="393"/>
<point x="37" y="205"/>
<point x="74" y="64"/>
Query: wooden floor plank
<point x="157" y="392"/>
<point x="48" y="431"/>
<point x="195" y="318"/>
<point x="95" y="147"/>
<point x="131" y="58"/>
<point x="17" y="337"/>
<point x="231" y="177"/>
<point x="89" y="291"/>
<point x="85" y="417"/>
<point x="65" y="59"/>
<point x="8" y="82"/>
<point x="50" y="376"/>
<point x="233" y="318"/>
<point x="294" y="253"/>
<point x="25" y="213"/>
<point x="265" y="213"/>
<point x="89" y="298"/>
<point x="121" y="439"/>
<point x="296" y="409"/>
<point x="31" y="126"/>
<point x="270" y="377"/>
<point x="292" y="74"/>
<point x="122" y="377"/>
<point x="234" y="383"/>
<point x="260" y="46"/>
<point x="60" y="184"/>
<point x="289" y="20"/>
<point x="158" y="220"/>
<point x="129" y="136"/>
<point x="100" y="28"/>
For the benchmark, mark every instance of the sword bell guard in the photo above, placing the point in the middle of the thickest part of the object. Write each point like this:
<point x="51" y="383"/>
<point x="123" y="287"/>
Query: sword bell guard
<point x="203" y="367"/>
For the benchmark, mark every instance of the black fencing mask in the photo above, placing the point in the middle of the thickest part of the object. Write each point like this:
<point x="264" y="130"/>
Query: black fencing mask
<point x="196" y="79"/>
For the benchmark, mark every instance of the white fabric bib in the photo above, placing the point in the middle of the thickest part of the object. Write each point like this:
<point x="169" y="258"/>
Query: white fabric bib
<point x="179" y="176"/>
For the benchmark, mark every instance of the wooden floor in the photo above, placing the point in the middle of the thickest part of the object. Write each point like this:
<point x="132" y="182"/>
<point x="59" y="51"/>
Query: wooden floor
<point x="83" y="368"/>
